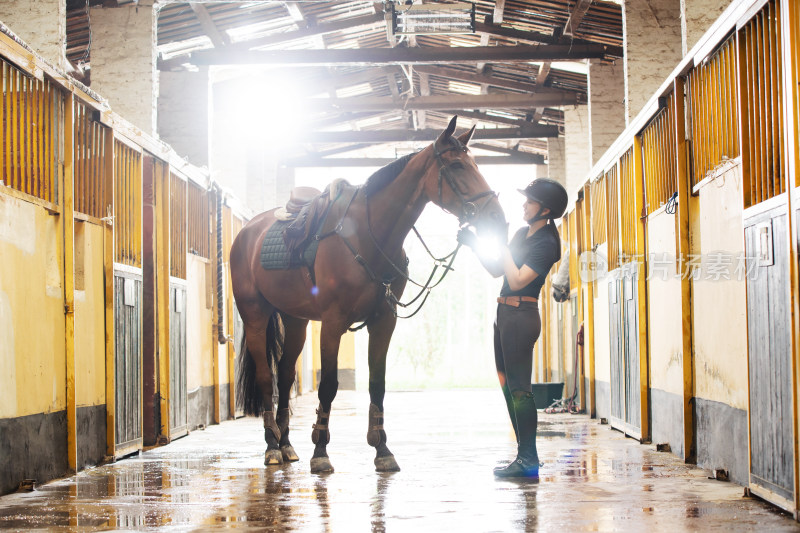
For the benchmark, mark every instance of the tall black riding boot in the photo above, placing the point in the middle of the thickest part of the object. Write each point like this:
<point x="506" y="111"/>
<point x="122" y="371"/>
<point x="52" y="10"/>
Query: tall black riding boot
<point x="510" y="406"/>
<point x="527" y="462"/>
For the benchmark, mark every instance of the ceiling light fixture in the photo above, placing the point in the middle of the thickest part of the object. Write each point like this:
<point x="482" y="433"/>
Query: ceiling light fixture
<point x="430" y="19"/>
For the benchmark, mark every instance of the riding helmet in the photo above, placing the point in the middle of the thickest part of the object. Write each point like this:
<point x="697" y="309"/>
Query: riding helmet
<point x="550" y="194"/>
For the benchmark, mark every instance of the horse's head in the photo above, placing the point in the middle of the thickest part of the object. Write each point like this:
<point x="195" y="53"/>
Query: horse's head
<point x="454" y="183"/>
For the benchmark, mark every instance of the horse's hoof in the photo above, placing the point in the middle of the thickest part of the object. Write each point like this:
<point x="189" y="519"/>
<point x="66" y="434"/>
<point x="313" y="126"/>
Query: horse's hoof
<point x="287" y="451"/>
<point x="321" y="465"/>
<point x="273" y="457"/>
<point x="386" y="464"/>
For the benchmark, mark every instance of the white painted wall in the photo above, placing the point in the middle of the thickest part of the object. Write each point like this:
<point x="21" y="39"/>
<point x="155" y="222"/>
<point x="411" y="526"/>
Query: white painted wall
<point x="720" y="307"/>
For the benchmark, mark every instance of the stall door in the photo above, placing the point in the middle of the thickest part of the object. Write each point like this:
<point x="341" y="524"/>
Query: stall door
<point x="770" y="364"/>
<point x="128" y="361"/>
<point x="633" y="393"/>
<point x="178" y="395"/>
<point x="616" y="352"/>
<point x="625" y="380"/>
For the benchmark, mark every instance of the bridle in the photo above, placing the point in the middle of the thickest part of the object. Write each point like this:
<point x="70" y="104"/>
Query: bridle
<point x="469" y="210"/>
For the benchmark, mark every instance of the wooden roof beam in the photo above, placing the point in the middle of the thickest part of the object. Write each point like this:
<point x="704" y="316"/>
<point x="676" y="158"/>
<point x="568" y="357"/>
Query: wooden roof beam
<point x="426" y="135"/>
<point x="576" y="17"/>
<point x="520" y="158"/>
<point x="399" y="55"/>
<point x="303" y="33"/>
<point x="485" y="117"/>
<point x="497" y="14"/>
<point x="441" y="102"/>
<point x="471" y="77"/>
<point x="218" y="39"/>
<point x="488" y="28"/>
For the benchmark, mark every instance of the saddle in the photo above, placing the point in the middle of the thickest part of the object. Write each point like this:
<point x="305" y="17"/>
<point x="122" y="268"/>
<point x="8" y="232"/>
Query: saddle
<point x="310" y="208"/>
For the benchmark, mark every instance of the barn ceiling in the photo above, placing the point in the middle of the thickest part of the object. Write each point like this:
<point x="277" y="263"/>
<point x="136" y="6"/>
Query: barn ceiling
<point x="365" y="86"/>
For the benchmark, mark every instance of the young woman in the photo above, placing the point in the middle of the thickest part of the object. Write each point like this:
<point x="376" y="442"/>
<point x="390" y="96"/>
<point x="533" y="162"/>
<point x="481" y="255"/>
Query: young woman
<point x="524" y="265"/>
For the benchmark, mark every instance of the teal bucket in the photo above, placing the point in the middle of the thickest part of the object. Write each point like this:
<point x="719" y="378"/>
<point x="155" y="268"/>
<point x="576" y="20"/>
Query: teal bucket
<point x="546" y="393"/>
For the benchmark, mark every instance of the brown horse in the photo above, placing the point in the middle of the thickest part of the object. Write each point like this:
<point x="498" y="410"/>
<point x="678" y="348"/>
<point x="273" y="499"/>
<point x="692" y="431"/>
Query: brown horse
<point x="359" y="270"/>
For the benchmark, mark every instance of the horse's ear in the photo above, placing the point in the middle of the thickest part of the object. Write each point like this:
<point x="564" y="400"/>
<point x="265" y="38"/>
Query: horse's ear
<point x="447" y="133"/>
<point x="465" y="137"/>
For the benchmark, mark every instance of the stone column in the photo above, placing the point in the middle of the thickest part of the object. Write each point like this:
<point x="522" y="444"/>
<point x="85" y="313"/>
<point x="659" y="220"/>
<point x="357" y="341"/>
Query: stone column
<point x="606" y="106"/>
<point x="696" y="17"/>
<point x="651" y="31"/>
<point x="183" y="122"/>
<point x="556" y="164"/>
<point x="42" y="24"/>
<point x="577" y="149"/>
<point x="123" y="61"/>
<point x="555" y="160"/>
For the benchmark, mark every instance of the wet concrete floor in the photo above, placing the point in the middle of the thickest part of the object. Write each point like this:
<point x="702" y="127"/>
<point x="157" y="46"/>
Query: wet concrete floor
<point x="446" y="442"/>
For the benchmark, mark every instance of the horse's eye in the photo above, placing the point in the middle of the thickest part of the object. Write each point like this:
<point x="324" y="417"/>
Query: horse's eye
<point x="457" y="165"/>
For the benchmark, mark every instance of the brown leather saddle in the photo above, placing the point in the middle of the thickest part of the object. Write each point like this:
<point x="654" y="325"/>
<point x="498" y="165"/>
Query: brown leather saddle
<point x="310" y="208"/>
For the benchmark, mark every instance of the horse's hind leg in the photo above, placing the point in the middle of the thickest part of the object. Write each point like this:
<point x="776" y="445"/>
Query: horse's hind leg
<point x="380" y="333"/>
<point x="294" y="339"/>
<point x="258" y="334"/>
<point x="330" y="337"/>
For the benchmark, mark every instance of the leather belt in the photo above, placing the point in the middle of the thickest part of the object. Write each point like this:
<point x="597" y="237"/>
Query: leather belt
<point x="514" y="301"/>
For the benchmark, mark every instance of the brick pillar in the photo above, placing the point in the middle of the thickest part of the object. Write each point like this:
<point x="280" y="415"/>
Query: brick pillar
<point x="556" y="161"/>
<point x="577" y="149"/>
<point x="696" y="17"/>
<point x="40" y="23"/>
<point x="183" y="120"/>
<point x="651" y="31"/>
<point x="606" y="106"/>
<point x="123" y="61"/>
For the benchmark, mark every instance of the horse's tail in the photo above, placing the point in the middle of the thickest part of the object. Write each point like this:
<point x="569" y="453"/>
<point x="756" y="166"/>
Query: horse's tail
<point x="249" y="397"/>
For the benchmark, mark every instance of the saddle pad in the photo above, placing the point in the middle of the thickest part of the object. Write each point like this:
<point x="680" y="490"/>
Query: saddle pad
<point x="273" y="250"/>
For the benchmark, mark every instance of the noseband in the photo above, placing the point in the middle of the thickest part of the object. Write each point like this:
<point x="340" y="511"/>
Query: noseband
<point x="469" y="210"/>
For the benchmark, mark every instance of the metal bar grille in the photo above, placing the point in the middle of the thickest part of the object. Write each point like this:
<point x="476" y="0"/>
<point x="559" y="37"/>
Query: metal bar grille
<point x="177" y="227"/>
<point x="199" y="217"/>
<point x="598" y="194"/>
<point x="658" y="147"/>
<point x="612" y="209"/>
<point x="579" y="215"/>
<point x="89" y="142"/>
<point x="714" y="114"/>
<point x="627" y="184"/>
<point x="127" y="205"/>
<point x="32" y="113"/>
<point x="794" y="23"/>
<point x="761" y="105"/>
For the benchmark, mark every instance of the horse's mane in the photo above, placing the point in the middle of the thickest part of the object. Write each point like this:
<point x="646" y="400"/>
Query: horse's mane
<point x="385" y="175"/>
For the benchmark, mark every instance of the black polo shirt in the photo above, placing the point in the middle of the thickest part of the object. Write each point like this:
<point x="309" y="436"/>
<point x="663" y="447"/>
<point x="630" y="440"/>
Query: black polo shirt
<point x="540" y="252"/>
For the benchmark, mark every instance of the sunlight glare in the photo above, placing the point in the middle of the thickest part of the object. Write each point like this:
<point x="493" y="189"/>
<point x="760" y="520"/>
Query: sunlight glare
<point x="269" y="110"/>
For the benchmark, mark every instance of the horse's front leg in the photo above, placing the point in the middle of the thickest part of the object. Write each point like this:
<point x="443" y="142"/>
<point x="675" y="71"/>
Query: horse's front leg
<point x="380" y="333"/>
<point x="330" y="336"/>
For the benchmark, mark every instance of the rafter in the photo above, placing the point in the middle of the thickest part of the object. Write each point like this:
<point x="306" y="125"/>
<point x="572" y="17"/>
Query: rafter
<point x="281" y="38"/>
<point x="451" y="73"/>
<point x="408" y="135"/>
<point x="426" y="55"/>
<point x="440" y="102"/>
<point x="497" y="14"/>
<point x="219" y="39"/>
<point x="576" y="16"/>
<point x="520" y="158"/>
<point x="492" y="119"/>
